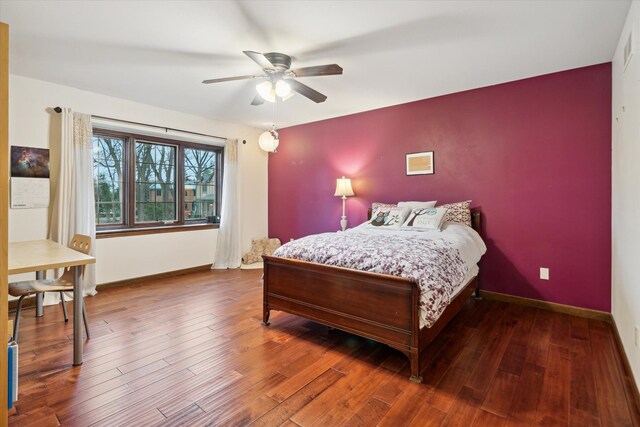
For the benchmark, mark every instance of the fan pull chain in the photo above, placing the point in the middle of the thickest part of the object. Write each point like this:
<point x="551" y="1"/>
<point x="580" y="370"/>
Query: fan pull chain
<point x="274" y="113"/>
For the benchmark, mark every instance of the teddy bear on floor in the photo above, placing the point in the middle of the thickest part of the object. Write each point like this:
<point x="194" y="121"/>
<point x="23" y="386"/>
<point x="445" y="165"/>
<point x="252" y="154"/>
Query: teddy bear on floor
<point x="259" y="247"/>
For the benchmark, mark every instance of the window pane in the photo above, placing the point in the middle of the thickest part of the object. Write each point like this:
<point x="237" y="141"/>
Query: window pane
<point x="155" y="182"/>
<point x="108" y="157"/>
<point x="108" y="213"/>
<point x="163" y="154"/>
<point x="144" y="191"/>
<point x="164" y="173"/>
<point x="169" y="212"/>
<point x="144" y="153"/>
<point x="145" y="212"/>
<point x="200" y="183"/>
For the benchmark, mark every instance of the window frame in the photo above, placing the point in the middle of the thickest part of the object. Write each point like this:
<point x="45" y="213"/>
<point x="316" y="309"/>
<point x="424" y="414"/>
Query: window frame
<point x="129" y="224"/>
<point x="131" y="209"/>
<point x="123" y="189"/>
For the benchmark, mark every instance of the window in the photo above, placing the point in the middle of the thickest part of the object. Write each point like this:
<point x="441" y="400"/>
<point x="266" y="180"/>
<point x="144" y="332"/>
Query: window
<point x="108" y="178"/>
<point x="155" y="182"/>
<point x="141" y="181"/>
<point x="199" y="184"/>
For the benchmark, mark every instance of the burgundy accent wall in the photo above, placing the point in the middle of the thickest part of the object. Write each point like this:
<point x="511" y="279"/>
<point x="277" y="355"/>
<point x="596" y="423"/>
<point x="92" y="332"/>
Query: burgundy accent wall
<point x="534" y="155"/>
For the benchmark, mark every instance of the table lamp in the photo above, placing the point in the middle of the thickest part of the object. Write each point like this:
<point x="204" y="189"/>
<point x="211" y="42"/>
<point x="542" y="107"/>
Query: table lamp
<point x="343" y="188"/>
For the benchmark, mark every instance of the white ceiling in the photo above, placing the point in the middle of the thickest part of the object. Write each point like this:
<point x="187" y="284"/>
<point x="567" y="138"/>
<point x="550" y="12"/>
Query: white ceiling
<point x="392" y="52"/>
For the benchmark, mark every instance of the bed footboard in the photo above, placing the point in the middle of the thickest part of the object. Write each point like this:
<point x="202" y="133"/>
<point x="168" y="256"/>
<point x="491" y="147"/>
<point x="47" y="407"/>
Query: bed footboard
<point x="377" y="306"/>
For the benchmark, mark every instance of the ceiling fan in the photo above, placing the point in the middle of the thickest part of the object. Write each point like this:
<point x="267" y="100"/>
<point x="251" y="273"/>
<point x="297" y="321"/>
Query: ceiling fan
<point x="281" y="78"/>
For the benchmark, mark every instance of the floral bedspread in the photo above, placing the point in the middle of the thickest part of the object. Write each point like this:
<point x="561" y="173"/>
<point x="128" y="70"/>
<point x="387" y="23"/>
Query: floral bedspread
<point x="433" y="260"/>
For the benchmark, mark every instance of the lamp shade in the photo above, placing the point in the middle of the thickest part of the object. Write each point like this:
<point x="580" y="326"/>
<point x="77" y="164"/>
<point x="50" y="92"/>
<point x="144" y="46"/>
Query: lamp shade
<point x="266" y="91"/>
<point x="269" y="140"/>
<point x="282" y="89"/>
<point x="343" y="187"/>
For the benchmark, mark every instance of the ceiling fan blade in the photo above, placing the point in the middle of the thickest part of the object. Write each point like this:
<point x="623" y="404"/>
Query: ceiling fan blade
<point x="228" y="79"/>
<point x="318" y="70"/>
<point x="259" y="59"/>
<point x="305" y="90"/>
<point x="258" y="100"/>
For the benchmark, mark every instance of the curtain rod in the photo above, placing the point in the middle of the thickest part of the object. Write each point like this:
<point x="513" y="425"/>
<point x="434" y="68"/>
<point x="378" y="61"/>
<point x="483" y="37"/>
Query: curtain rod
<point x="166" y="129"/>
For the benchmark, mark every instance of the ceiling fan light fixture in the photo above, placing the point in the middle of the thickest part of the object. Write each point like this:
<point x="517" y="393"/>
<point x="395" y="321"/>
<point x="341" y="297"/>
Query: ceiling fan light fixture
<point x="266" y="91"/>
<point x="283" y="89"/>
<point x="269" y="140"/>
<point x="284" y="98"/>
<point x="281" y="78"/>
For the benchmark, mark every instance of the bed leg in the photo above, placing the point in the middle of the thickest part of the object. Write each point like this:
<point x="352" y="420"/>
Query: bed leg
<point x="415" y="367"/>
<point x="476" y="293"/>
<point x="265" y="315"/>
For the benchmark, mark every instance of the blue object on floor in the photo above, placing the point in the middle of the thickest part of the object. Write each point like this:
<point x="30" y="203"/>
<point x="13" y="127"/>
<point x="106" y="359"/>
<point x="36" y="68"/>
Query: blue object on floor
<point x="13" y="373"/>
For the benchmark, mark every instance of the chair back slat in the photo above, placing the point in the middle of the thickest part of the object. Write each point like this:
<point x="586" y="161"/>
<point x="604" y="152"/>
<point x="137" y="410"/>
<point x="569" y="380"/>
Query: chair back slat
<point x="80" y="243"/>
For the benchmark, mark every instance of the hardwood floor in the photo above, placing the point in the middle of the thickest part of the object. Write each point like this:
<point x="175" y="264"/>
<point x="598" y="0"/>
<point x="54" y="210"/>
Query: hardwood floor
<point x="190" y="350"/>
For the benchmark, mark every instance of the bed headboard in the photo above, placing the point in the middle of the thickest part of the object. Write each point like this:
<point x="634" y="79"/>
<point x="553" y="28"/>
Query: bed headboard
<point x="476" y="219"/>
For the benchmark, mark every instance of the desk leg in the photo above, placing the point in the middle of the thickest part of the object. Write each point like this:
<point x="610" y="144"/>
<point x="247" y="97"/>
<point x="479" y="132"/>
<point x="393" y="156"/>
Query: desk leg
<point x="39" y="296"/>
<point x="77" y="316"/>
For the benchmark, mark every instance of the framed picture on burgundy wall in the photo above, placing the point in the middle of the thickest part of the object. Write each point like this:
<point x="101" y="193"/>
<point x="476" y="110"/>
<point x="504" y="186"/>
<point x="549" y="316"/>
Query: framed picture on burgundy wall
<point x="420" y="163"/>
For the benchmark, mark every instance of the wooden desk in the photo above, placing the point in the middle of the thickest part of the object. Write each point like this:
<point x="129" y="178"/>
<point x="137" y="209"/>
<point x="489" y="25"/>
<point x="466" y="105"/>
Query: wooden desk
<point x="41" y="255"/>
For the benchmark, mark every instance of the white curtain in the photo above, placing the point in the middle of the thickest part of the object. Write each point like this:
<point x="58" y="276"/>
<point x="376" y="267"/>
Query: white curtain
<point x="229" y="251"/>
<point x="73" y="205"/>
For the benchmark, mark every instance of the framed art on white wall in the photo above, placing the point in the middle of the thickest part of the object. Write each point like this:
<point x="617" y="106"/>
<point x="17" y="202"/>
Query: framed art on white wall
<point x="420" y="163"/>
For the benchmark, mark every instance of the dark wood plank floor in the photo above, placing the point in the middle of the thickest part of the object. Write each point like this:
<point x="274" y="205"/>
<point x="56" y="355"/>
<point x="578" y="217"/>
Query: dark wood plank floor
<point x="191" y="351"/>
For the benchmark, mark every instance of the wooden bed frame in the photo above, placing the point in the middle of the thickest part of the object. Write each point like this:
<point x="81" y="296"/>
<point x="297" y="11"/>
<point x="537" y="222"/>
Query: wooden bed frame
<point x="351" y="300"/>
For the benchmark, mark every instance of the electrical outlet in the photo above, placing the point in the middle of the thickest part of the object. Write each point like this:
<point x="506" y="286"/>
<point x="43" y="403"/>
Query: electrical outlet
<point x="637" y="336"/>
<point x="544" y="273"/>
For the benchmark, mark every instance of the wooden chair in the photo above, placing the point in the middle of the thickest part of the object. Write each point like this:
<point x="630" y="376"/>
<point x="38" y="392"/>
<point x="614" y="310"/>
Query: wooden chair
<point x="63" y="284"/>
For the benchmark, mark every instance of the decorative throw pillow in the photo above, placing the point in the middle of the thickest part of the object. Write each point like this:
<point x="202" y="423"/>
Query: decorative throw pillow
<point x="458" y="212"/>
<point x="425" y="218"/>
<point x="376" y="205"/>
<point x="260" y="247"/>
<point x="391" y="217"/>
<point x="416" y="205"/>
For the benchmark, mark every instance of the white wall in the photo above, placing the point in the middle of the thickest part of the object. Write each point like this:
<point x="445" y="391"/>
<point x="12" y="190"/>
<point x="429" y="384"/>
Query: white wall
<point x="33" y="123"/>
<point x="625" y="293"/>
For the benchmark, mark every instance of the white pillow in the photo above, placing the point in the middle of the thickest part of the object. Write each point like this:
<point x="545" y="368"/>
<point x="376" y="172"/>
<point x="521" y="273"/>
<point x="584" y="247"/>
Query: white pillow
<point x="388" y="217"/>
<point x="416" y="205"/>
<point x="376" y="205"/>
<point x="425" y="218"/>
